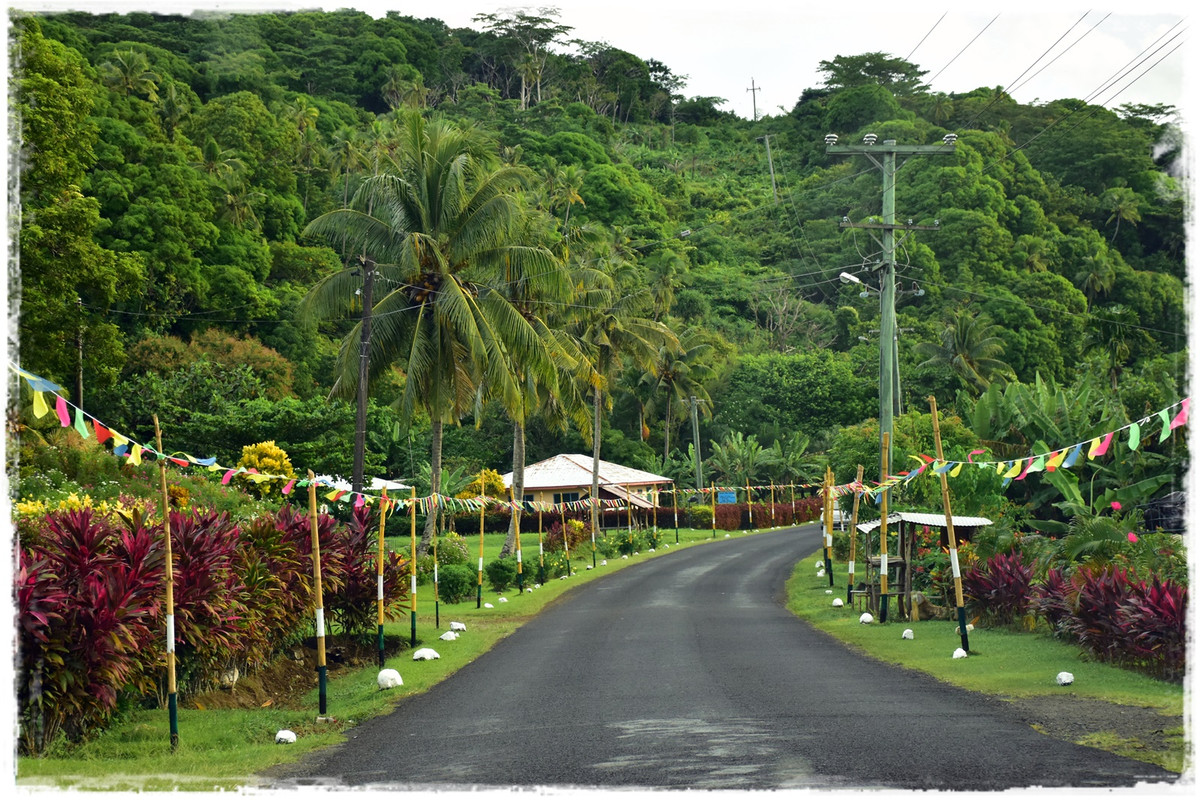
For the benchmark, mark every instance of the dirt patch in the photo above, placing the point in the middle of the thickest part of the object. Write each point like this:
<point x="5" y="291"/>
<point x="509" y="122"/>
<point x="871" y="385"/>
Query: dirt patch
<point x="294" y="673"/>
<point x="1074" y="718"/>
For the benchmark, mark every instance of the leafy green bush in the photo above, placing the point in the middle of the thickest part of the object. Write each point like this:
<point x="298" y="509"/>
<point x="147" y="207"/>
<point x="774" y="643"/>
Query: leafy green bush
<point x="456" y="582"/>
<point x="501" y="573"/>
<point x="452" y="549"/>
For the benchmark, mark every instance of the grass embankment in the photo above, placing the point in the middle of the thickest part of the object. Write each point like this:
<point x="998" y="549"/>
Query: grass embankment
<point x="1003" y="663"/>
<point x="223" y="749"/>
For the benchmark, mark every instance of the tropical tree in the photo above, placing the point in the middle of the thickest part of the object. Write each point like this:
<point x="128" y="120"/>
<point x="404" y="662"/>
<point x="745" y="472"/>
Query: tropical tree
<point x="1124" y="205"/>
<point x="443" y="225"/>
<point x="679" y="373"/>
<point x="970" y="347"/>
<point x="127" y="72"/>
<point x="740" y="459"/>
<point x="609" y="328"/>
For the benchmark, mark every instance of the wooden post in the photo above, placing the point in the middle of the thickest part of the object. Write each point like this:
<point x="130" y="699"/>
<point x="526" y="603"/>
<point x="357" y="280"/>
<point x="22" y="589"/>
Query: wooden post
<point x="169" y="586"/>
<point x="520" y="572"/>
<point x="960" y="610"/>
<point x="479" y="586"/>
<point x="793" y="488"/>
<point x="655" y="496"/>
<point x="562" y="508"/>
<point x="853" y="535"/>
<point x="749" y="508"/>
<point x="437" y="605"/>
<point x="541" y="550"/>
<point x="713" y="491"/>
<point x="828" y="491"/>
<point x="320" y="602"/>
<point x="675" y="507"/>
<point x="772" y="504"/>
<point x="883" y="515"/>
<point x="629" y="516"/>
<point x="383" y="509"/>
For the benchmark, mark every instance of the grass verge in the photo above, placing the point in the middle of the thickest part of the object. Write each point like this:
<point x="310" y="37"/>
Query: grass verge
<point x="1004" y="663"/>
<point x="223" y="749"/>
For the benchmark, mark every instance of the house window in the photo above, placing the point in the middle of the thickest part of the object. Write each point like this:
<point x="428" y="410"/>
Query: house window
<point x="528" y="498"/>
<point x="565" y="497"/>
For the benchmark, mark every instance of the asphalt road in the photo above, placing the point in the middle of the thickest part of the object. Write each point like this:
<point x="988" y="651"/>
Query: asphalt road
<point x="686" y="671"/>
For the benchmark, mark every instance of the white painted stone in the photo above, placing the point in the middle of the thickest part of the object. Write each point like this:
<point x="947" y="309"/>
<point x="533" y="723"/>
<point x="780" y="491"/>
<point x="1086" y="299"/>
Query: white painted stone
<point x="908" y="634"/>
<point x="1065" y="679"/>
<point x="866" y="619"/>
<point x="837" y="602"/>
<point x="425" y="654"/>
<point x="502" y="600"/>
<point x="458" y="626"/>
<point x="285" y="737"/>
<point x="488" y="605"/>
<point x="448" y="636"/>
<point x="389" y="679"/>
<point x="960" y="653"/>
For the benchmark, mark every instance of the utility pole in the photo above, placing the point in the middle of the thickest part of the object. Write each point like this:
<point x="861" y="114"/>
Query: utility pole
<point x="884" y="157"/>
<point x="696" y="445"/>
<point x="79" y="352"/>
<point x="364" y="362"/>
<point x="754" y="90"/>
<point x="771" y="166"/>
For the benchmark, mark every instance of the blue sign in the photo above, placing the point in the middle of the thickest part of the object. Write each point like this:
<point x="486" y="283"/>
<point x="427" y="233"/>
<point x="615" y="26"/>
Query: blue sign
<point x="726" y="497"/>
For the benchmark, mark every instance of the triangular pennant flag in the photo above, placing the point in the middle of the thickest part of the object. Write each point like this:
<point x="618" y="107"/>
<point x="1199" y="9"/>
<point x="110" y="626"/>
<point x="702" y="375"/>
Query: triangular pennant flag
<point x="1093" y="447"/>
<point x="972" y="454"/>
<point x="1025" y="470"/>
<point x="957" y="469"/>
<point x="1056" y="460"/>
<point x="1000" y="465"/>
<point x="1135" y="436"/>
<point x="1073" y="456"/>
<point x="60" y="408"/>
<point x="121" y="449"/>
<point x="102" y="433"/>
<point x="40" y="409"/>
<point x="38" y="384"/>
<point x="288" y="488"/>
<point x="1037" y="464"/>
<point x="1014" y="470"/>
<point x="135" y="456"/>
<point x="1181" y="417"/>
<point x="1103" y="447"/>
<point x="228" y="477"/>
<point x="1166" y="424"/>
<point x="360" y="501"/>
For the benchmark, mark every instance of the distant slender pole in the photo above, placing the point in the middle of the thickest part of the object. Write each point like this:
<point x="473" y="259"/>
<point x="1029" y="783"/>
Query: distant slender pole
<point x="169" y="581"/>
<point x="960" y="611"/>
<point x="829" y="524"/>
<point x="675" y="508"/>
<point x="772" y="504"/>
<point x="793" y="488"/>
<point x="383" y="509"/>
<point x="566" y="542"/>
<point x="320" y="611"/>
<point x="479" y="585"/>
<point x="883" y="515"/>
<point x="713" y="491"/>
<point x="853" y="534"/>
<point x="655" y="510"/>
<point x="629" y="516"/>
<point x="599" y="515"/>
<point x="520" y="573"/>
<point x="541" y="550"/>
<point x="749" y="508"/>
<point x="437" y="603"/>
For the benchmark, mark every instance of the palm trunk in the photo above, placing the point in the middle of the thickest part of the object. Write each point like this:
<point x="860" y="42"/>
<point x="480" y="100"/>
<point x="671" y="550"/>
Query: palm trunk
<point x="667" y="435"/>
<point x="596" y="459"/>
<point x="435" y="486"/>
<point x="518" y="488"/>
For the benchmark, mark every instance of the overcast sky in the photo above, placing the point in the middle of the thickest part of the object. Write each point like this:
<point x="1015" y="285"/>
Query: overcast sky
<point x="725" y="48"/>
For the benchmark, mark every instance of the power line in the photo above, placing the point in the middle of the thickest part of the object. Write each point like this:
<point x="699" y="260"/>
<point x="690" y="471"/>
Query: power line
<point x="960" y="52"/>
<point x="926" y="36"/>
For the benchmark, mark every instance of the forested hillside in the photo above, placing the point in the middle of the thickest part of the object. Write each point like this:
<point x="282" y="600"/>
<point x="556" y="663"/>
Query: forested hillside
<point x="204" y="198"/>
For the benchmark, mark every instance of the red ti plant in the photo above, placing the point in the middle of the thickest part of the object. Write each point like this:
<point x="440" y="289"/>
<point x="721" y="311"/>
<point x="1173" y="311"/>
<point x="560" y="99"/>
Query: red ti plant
<point x="354" y="549"/>
<point x="1156" y="619"/>
<point x="999" y="589"/>
<point x="94" y="599"/>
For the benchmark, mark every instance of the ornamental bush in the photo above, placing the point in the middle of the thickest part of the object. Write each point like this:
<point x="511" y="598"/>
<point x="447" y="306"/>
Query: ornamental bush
<point x="456" y="582"/>
<point x="266" y="458"/>
<point x="501" y="573"/>
<point x="998" y="590"/>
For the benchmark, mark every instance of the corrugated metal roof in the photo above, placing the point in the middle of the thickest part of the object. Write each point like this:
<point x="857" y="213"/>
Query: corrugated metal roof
<point x="572" y="471"/>
<point x="932" y="520"/>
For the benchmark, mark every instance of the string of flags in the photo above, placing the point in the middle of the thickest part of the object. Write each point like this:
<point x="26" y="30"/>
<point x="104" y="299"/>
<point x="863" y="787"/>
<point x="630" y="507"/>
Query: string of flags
<point x="1168" y="419"/>
<point x="72" y="416"/>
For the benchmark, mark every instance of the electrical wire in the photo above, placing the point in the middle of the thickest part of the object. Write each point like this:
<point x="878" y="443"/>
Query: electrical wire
<point x="926" y="36"/>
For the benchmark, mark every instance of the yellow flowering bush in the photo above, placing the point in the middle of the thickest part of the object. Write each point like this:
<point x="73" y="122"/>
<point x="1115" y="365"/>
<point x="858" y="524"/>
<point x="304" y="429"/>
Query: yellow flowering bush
<point x="267" y="458"/>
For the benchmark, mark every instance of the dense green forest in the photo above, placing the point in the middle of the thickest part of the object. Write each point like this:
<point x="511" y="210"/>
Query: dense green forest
<point x="208" y="202"/>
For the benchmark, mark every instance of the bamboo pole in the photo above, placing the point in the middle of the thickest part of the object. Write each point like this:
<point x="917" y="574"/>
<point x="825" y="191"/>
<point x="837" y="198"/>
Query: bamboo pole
<point x="383" y="509"/>
<point x="599" y="516"/>
<point x="749" y="508"/>
<point x="772" y="504"/>
<point x="675" y="508"/>
<point x="828" y="491"/>
<point x="655" y="491"/>
<point x="520" y="572"/>
<point x="793" y="488"/>
<point x="479" y="585"/>
<point x="541" y="551"/>
<point x="883" y="515"/>
<point x="853" y="535"/>
<point x="562" y="508"/>
<point x="320" y="602"/>
<point x="629" y="516"/>
<point x="169" y="587"/>
<point x="437" y="605"/>
<point x="713" y="491"/>
<point x="960" y="610"/>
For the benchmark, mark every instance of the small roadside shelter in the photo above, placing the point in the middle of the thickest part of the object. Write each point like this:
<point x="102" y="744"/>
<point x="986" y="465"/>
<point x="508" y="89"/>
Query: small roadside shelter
<point x="567" y="477"/>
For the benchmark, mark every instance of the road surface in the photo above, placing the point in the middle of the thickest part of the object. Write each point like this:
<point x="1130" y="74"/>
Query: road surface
<point x="686" y="671"/>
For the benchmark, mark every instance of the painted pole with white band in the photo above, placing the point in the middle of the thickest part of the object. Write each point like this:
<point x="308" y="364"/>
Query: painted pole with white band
<point x="772" y="504"/>
<point x="713" y="491"/>
<point x="628" y="518"/>
<point x="520" y="573"/>
<point x="828" y="491"/>
<point x="437" y="607"/>
<point x="675" y="507"/>
<point x="853" y="535"/>
<point x="169" y="581"/>
<point x="960" y="610"/>
<point x="479" y="589"/>
<point x="541" y="550"/>
<point x="383" y="509"/>
<point x="320" y="603"/>
<point x="599" y="515"/>
<point x="749" y="508"/>
<point x="883" y="515"/>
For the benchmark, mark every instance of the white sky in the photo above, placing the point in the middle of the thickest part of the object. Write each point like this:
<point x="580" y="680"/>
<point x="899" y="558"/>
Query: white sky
<point x="725" y="46"/>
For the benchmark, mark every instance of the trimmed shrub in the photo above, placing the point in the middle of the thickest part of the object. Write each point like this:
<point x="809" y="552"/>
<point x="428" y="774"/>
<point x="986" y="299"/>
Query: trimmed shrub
<point x="452" y="549"/>
<point x="456" y="582"/>
<point x="501" y="573"/>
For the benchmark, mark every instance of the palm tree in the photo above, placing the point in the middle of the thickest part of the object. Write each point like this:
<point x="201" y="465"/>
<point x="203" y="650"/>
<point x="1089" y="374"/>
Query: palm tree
<point x="970" y="347"/>
<point x="443" y="224"/>
<point x="1124" y="204"/>
<point x="608" y="329"/>
<point x="1096" y="274"/>
<point x="740" y="459"/>
<point x="680" y="372"/>
<point x="128" y="72"/>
